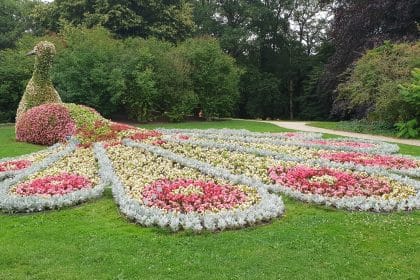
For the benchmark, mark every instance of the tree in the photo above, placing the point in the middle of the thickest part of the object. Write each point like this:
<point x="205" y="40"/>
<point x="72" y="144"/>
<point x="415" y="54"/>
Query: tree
<point x="13" y="21"/>
<point x="169" y="20"/>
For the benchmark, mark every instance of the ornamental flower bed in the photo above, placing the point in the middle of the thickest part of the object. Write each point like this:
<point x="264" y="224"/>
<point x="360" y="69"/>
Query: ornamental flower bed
<point x="155" y="190"/>
<point x="345" y="144"/>
<point x="68" y="177"/>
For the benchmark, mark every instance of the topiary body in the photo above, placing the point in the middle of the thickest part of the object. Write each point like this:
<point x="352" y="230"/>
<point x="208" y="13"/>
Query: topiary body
<point x="40" y="89"/>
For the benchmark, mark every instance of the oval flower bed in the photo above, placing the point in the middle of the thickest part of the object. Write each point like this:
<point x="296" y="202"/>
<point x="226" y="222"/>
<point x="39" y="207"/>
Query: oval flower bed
<point x="345" y="185"/>
<point x="155" y="190"/>
<point x="66" y="178"/>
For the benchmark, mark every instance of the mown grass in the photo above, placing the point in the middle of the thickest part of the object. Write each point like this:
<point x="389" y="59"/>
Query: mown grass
<point x="93" y="241"/>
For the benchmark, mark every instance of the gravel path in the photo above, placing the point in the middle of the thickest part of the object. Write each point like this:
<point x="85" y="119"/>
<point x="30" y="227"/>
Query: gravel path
<point x="303" y="127"/>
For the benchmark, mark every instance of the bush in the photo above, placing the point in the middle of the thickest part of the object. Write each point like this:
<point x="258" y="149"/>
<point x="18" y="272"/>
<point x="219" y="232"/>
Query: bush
<point x="371" y="90"/>
<point x="89" y="70"/>
<point x="45" y="124"/>
<point x="411" y="95"/>
<point x="214" y="76"/>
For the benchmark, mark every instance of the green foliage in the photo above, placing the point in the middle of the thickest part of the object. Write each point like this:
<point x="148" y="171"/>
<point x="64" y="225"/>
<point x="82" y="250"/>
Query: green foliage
<point x="409" y="129"/>
<point x="214" y="76"/>
<point x="88" y="71"/>
<point x="169" y="20"/>
<point x="14" y="21"/>
<point x="372" y="87"/>
<point x="411" y="94"/>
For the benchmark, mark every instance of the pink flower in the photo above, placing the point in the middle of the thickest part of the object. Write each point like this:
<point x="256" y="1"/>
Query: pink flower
<point x="327" y="181"/>
<point x="53" y="185"/>
<point x="371" y="160"/>
<point x="187" y="195"/>
<point x="14" y="165"/>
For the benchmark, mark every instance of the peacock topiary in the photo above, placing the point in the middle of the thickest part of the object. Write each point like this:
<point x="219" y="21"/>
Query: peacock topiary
<point x="42" y="118"/>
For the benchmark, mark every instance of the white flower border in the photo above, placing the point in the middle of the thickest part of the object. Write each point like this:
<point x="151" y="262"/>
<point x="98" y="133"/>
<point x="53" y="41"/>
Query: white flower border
<point x="241" y="132"/>
<point x="11" y="203"/>
<point x="270" y="206"/>
<point x="379" y="148"/>
<point x="357" y="203"/>
<point x="9" y="174"/>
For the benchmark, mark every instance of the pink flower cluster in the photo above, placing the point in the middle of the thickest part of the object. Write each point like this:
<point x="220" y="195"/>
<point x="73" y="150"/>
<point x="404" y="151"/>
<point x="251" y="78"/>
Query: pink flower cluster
<point x="327" y="182"/>
<point x="45" y="124"/>
<point x="53" y="185"/>
<point x="146" y="135"/>
<point x="183" y="137"/>
<point x="14" y="165"/>
<point x="352" y="144"/>
<point x="187" y="195"/>
<point x="371" y="160"/>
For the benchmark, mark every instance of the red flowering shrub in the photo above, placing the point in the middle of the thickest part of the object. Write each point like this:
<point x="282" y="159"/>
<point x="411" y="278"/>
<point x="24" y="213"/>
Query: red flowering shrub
<point x="45" y="124"/>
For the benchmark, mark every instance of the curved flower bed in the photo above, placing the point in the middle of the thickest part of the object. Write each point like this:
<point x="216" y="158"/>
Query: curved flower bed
<point x="68" y="177"/>
<point x="368" y="190"/>
<point x="244" y="132"/>
<point x="157" y="187"/>
<point x="344" y="144"/>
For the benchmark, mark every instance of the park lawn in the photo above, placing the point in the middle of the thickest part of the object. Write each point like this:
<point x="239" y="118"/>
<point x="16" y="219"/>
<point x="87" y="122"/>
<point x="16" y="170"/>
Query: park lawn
<point x="93" y="241"/>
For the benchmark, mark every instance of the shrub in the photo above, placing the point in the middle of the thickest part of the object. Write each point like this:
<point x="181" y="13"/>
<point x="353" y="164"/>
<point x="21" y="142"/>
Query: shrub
<point x="372" y="87"/>
<point x="214" y="75"/>
<point x="45" y="124"/>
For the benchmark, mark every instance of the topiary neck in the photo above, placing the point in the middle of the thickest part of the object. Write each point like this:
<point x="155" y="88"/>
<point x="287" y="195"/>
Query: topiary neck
<point x="41" y="74"/>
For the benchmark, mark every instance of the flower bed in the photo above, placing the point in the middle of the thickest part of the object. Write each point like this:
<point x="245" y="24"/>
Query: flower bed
<point x="156" y="189"/>
<point x="344" y="144"/>
<point x="68" y="177"/>
<point x="376" y="190"/>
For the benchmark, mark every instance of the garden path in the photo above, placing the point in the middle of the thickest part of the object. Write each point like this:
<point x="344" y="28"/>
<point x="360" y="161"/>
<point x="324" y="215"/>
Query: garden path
<point x="304" y="127"/>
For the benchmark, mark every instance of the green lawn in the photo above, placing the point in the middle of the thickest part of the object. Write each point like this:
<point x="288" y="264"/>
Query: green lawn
<point x="93" y="241"/>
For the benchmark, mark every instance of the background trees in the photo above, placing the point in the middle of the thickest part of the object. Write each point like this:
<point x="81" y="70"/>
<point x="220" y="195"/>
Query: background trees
<point x="170" y="59"/>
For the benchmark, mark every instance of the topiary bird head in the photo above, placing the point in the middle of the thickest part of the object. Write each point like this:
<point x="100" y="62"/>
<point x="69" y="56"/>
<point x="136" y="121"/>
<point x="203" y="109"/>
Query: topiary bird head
<point x="44" y="52"/>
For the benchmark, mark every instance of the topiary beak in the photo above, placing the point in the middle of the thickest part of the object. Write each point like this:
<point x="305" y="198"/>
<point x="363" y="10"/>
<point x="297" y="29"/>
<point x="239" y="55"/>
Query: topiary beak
<point x="32" y="52"/>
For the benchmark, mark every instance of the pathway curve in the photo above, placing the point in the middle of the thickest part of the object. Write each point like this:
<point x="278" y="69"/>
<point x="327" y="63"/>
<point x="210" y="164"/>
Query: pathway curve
<point x="304" y="127"/>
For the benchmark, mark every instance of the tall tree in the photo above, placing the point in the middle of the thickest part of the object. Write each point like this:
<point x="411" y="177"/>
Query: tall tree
<point x="169" y="20"/>
<point x="13" y="21"/>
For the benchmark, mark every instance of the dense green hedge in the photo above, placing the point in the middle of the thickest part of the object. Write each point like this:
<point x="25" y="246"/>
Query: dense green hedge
<point x="144" y="79"/>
